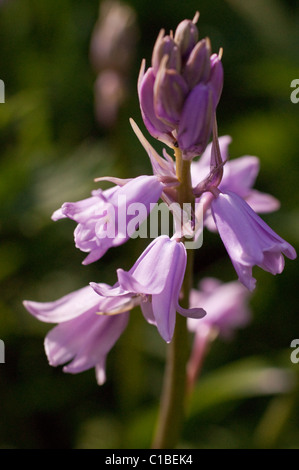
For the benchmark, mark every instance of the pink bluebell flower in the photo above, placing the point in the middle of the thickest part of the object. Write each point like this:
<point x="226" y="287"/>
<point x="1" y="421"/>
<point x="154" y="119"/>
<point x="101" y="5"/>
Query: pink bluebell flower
<point x="103" y="218"/>
<point x="156" y="279"/>
<point x="226" y="305"/>
<point x="248" y="240"/>
<point x="227" y="309"/>
<point x="83" y="337"/>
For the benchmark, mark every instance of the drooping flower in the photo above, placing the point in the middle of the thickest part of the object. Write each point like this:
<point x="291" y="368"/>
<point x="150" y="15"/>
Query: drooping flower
<point x="104" y="220"/>
<point x="227" y="309"/>
<point x="248" y="240"/>
<point x="179" y="93"/>
<point x="82" y="338"/>
<point x="156" y="278"/>
<point x="226" y="305"/>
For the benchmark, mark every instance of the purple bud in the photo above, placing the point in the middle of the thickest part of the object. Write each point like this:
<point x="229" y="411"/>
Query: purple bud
<point x="197" y="68"/>
<point x="165" y="46"/>
<point x="216" y="76"/>
<point x="154" y="125"/>
<point x="196" y="121"/>
<point x="186" y="36"/>
<point x="170" y="91"/>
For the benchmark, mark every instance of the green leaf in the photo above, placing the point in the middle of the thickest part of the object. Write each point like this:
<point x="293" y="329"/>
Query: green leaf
<point x="245" y="378"/>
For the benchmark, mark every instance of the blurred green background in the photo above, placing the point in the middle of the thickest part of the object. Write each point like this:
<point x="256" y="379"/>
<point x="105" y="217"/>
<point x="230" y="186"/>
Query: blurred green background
<point x="53" y="146"/>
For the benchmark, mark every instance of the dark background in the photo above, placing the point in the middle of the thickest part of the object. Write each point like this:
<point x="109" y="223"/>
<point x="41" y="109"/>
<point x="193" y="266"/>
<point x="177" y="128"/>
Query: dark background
<point x="52" y="147"/>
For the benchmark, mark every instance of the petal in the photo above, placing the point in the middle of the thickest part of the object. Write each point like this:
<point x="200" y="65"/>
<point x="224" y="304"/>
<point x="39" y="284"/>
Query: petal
<point x="85" y="341"/>
<point x="58" y="214"/>
<point x="114" y="300"/>
<point x="195" y="312"/>
<point x="147" y="310"/>
<point x="239" y="175"/>
<point x="261" y="202"/>
<point x="165" y="304"/>
<point x="100" y="370"/>
<point x="94" y="255"/>
<point x="66" y="308"/>
<point x="143" y="189"/>
<point x="150" y="272"/>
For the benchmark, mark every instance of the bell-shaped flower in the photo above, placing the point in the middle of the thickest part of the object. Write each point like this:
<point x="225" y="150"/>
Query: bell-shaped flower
<point x="226" y="305"/>
<point x="105" y="219"/>
<point x="156" y="278"/>
<point x="227" y="309"/>
<point x="248" y="240"/>
<point x="82" y="338"/>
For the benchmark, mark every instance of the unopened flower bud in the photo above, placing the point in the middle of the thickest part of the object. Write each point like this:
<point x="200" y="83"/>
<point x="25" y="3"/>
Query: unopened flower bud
<point x="156" y="127"/>
<point x="196" y="121"/>
<point x="198" y="67"/>
<point x="114" y="37"/>
<point x="186" y="36"/>
<point x="165" y="46"/>
<point x="216" y="76"/>
<point x="170" y="91"/>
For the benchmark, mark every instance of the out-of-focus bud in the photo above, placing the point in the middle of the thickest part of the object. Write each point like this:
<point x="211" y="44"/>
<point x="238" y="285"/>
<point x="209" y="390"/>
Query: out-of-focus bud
<point x="186" y="36"/>
<point x="170" y="91"/>
<point x="112" y="50"/>
<point x="110" y="91"/>
<point x="165" y="46"/>
<point x="114" y="36"/>
<point x="196" y="121"/>
<point x="198" y="66"/>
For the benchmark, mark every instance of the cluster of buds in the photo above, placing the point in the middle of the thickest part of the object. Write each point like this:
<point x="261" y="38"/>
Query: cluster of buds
<point x="179" y="93"/>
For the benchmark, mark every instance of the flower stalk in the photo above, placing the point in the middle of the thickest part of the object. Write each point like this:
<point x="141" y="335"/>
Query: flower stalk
<point x="172" y="403"/>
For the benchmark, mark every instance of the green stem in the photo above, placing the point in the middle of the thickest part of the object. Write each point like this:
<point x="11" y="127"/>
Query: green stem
<point x="172" y="405"/>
